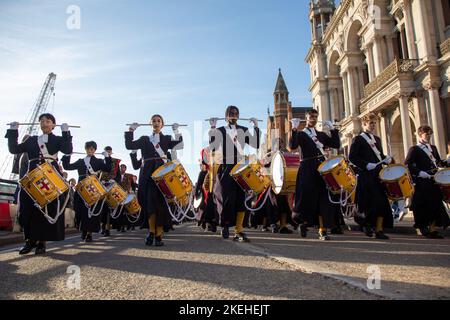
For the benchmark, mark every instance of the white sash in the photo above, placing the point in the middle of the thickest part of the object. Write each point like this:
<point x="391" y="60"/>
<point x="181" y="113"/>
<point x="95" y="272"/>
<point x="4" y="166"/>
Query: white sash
<point x="233" y="133"/>
<point x="42" y="144"/>
<point x="87" y="163"/>
<point x="311" y="132"/>
<point x="155" y="139"/>
<point x="372" y="143"/>
<point x="427" y="149"/>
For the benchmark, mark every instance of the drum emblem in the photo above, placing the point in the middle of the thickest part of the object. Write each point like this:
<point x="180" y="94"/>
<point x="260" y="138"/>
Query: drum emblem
<point x="43" y="184"/>
<point x="91" y="189"/>
<point x="184" y="180"/>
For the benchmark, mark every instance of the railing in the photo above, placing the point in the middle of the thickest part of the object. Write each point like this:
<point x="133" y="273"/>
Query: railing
<point x="396" y="67"/>
<point x="445" y="47"/>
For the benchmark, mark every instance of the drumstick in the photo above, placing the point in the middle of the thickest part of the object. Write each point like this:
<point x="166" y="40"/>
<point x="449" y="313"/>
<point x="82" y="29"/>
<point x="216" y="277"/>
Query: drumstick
<point x="85" y="153"/>
<point x="147" y="125"/>
<point x="243" y="119"/>
<point x="35" y="124"/>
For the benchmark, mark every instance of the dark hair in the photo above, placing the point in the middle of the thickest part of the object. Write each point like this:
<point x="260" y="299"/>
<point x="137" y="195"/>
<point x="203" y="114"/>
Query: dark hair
<point x="312" y="111"/>
<point x="229" y="108"/>
<point x="48" y="116"/>
<point x="159" y="116"/>
<point x="425" y="129"/>
<point x="90" y="144"/>
<point x="108" y="148"/>
<point x="123" y="165"/>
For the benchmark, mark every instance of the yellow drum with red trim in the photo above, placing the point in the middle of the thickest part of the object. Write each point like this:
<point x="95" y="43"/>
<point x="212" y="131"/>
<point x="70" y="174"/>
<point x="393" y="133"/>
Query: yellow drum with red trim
<point x="131" y="204"/>
<point x="398" y="182"/>
<point x="442" y="178"/>
<point x="115" y="195"/>
<point x="338" y="175"/>
<point x="174" y="182"/>
<point x="91" y="190"/>
<point x="44" y="184"/>
<point x="251" y="177"/>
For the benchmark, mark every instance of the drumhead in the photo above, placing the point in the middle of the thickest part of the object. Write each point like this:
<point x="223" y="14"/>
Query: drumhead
<point x="277" y="172"/>
<point x="443" y="177"/>
<point x="393" y="172"/>
<point x="331" y="163"/>
<point x="129" y="198"/>
<point x="198" y="201"/>
<point x="167" y="168"/>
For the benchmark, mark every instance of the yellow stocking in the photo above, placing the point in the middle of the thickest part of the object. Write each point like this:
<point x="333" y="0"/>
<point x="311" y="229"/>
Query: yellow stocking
<point x="152" y="223"/>
<point x="240" y="222"/>
<point x="379" y="226"/>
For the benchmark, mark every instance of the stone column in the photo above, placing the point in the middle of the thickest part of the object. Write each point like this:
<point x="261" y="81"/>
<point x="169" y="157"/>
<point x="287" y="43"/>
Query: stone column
<point x="352" y="86"/>
<point x="346" y="95"/>
<point x="378" y="55"/>
<point x="383" y="131"/>
<point x="370" y="61"/>
<point x="437" y="122"/>
<point x="406" y="124"/>
<point x="341" y="107"/>
<point x="409" y="32"/>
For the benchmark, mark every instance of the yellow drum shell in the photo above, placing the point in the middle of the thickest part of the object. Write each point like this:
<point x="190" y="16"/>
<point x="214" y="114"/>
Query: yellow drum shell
<point x="338" y="175"/>
<point x="115" y="195"/>
<point x="251" y="177"/>
<point x="283" y="172"/>
<point x="131" y="204"/>
<point x="91" y="190"/>
<point x="174" y="182"/>
<point x="398" y="182"/>
<point x="43" y="184"/>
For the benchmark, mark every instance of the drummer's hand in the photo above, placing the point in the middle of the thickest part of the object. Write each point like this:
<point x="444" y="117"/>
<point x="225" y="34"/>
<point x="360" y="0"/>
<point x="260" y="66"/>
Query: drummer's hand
<point x="424" y="175"/>
<point x="371" y="166"/>
<point x="14" y="125"/>
<point x="105" y="154"/>
<point x="295" y="124"/>
<point x="387" y="160"/>
<point x="213" y="122"/>
<point x="64" y="127"/>
<point x="327" y="125"/>
<point x="254" y="121"/>
<point x="175" y="127"/>
<point x="134" y="126"/>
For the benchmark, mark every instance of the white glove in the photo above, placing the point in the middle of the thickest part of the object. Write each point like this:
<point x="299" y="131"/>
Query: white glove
<point x="387" y="160"/>
<point x="424" y="175"/>
<point x="134" y="126"/>
<point x="134" y="151"/>
<point x="105" y="154"/>
<point x="295" y="123"/>
<point x="175" y="127"/>
<point x="213" y="122"/>
<point x="327" y="125"/>
<point x="14" y="125"/>
<point x="64" y="127"/>
<point x="254" y="121"/>
<point x="371" y="166"/>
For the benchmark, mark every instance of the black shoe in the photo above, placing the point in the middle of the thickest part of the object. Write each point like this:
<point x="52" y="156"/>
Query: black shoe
<point x="107" y="233"/>
<point x="274" y="228"/>
<point x="158" y="242"/>
<point x="434" y="235"/>
<point x="368" y="231"/>
<point x="296" y="217"/>
<point x="88" y="238"/>
<point x="323" y="235"/>
<point x="225" y="233"/>
<point x="28" y="247"/>
<point x="40" y="248"/>
<point x="241" y="237"/>
<point x="103" y="231"/>
<point x="166" y="229"/>
<point x="380" y="235"/>
<point x="123" y="229"/>
<point x="336" y="231"/>
<point x="132" y="228"/>
<point x="303" y="231"/>
<point x="285" y="230"/>
<point x="213" y="228"/>
<point x="149" y="239"/>
<point x="83" y="235"/>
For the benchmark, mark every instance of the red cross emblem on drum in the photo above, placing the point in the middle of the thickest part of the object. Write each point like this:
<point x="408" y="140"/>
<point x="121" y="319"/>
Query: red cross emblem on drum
<point x="43" y="184"/>
<point x="260" y="175"/>
<point x="116" y="196"/>
<point x="184" y="180"/>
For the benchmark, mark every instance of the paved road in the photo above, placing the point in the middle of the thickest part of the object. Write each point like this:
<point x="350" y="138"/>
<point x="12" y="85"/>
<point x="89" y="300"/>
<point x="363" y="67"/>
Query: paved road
<point x="199" y="265"/>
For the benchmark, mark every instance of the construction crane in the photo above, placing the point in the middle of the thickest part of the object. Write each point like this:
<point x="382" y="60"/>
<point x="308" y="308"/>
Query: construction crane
<point x="39" y="107"/>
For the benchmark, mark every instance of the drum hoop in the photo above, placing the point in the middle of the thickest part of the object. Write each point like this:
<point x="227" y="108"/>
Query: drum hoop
<point x="391" y="166"/>
<point x="331" y="169"/>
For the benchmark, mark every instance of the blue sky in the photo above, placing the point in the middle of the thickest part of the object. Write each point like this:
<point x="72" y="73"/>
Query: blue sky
<point x="184" y="59"/>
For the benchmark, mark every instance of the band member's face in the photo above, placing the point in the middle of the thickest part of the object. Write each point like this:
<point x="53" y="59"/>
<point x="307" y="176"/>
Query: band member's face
<point x="123" y="169"/>
<point x="90" y="151"/>
<point x="157" y="124"/>
<point x="311" y="119"/>
<point x="233" y="116"/>
<point x="109" y="152"/>
<point x="425" y="137"/>
<point x="370" y="126"/>
<point x="47" y="125"/>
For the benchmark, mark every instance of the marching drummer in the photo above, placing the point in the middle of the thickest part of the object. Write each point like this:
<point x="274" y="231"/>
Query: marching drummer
<point x="423" y="161"/>
<point x="366" y="153"/>
<point x="229" y="198"/>
<point x="312" y="205"/>
<point x="154" y="150"/>
<point x="90" y="165"/>
<point x="40" y="149"/>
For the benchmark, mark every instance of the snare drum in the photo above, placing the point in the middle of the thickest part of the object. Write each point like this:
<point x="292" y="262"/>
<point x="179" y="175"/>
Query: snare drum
<point x="115" y="195"/>
<point x="174" y="183"/>
<point x="91" y="190"/>
<point x="398" y="182"/>
<point x="44" y="184"/>
<point x="131" y="204"/>
<point x="442" y="178"/>
<point x="251" y="177"/>
<point x="337" y="175"/>
<point x="283" y="172"/>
